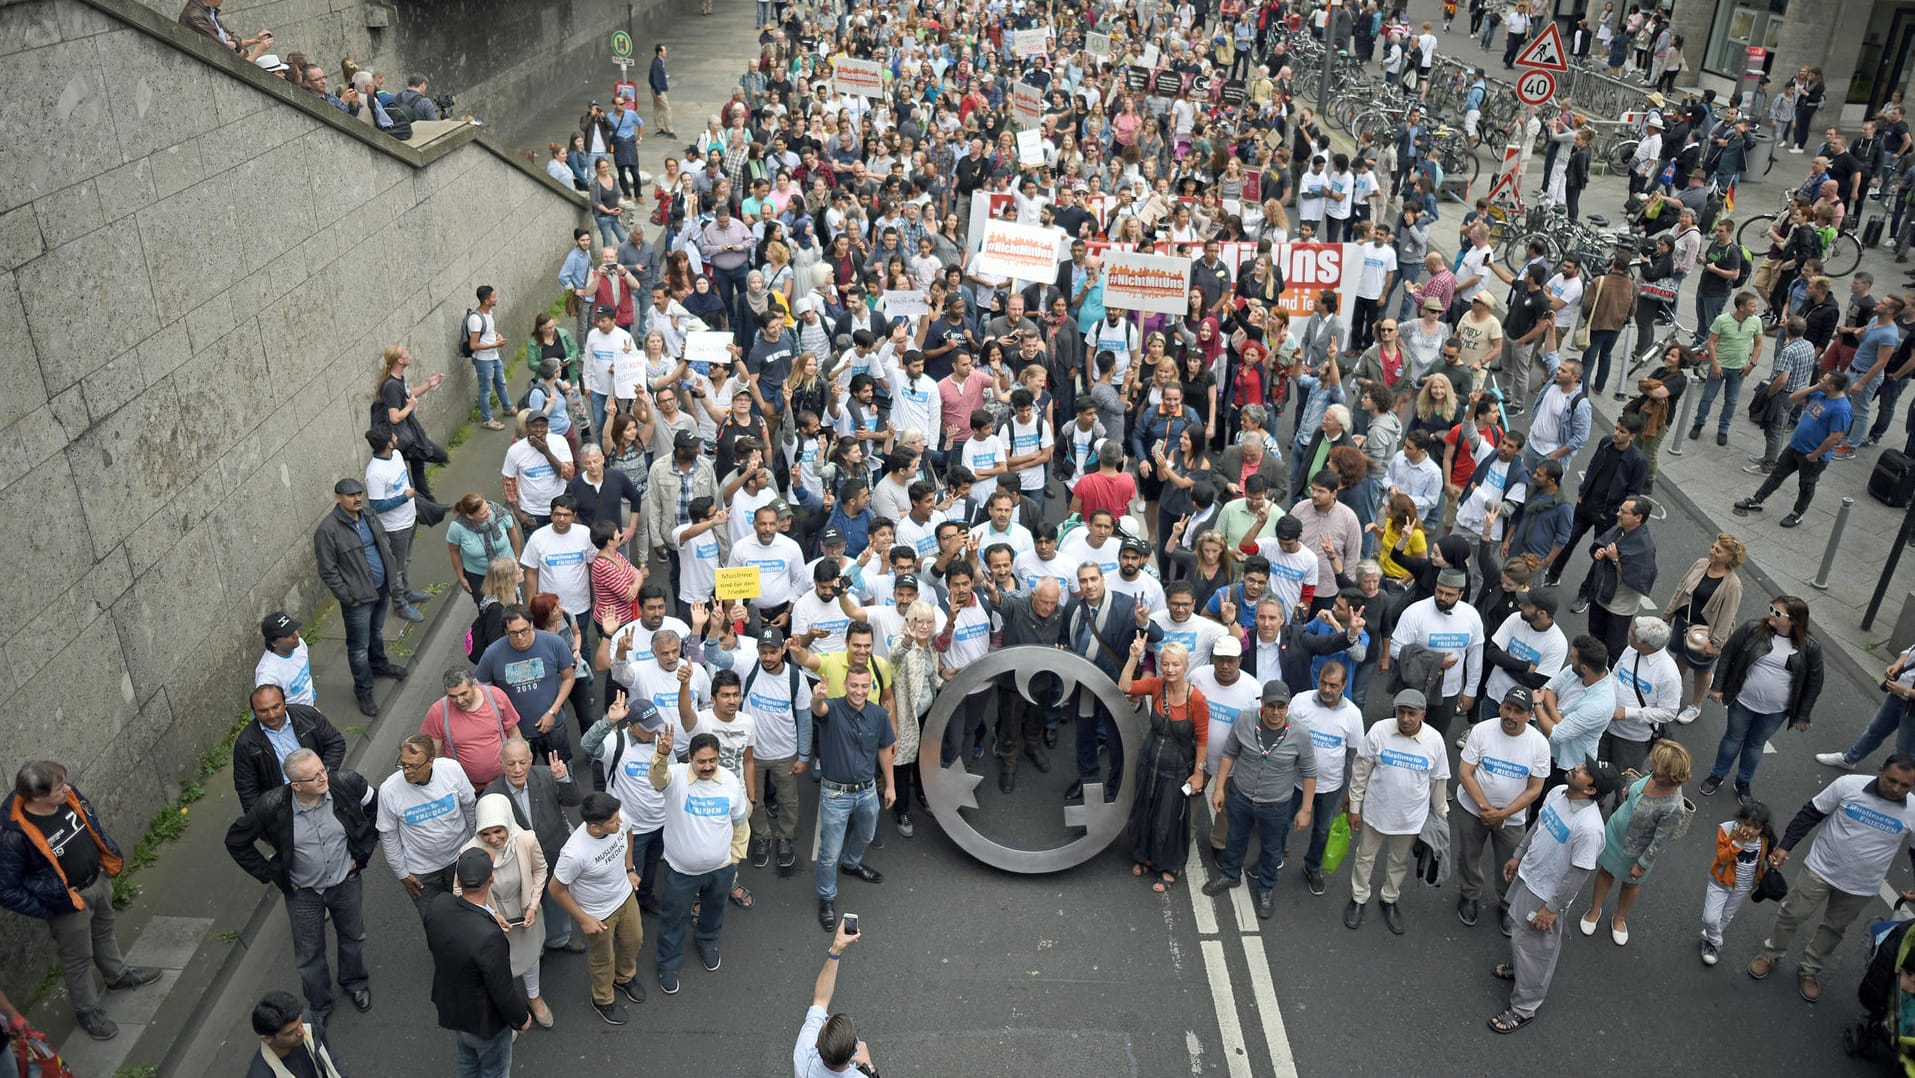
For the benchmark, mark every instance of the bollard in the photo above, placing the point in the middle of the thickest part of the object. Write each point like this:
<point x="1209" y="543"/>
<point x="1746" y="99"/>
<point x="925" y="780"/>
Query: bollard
<point x="1821" y="581"/>
<point x="1687" y="408"/>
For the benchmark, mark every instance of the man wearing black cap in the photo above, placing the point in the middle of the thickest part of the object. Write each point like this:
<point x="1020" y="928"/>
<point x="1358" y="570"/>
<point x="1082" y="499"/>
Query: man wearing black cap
<point x="351" y="549"/>
<point x="1548" y="869"/>
<point x="1131" y="579"/>
<point x="774" y="697"/>
<point x="1274" y="767"/>
<point x="472" y="981"/>
<point x="1445" y="623"/>
<point x="286" y="662"/>
<point x="1501" y="774"/>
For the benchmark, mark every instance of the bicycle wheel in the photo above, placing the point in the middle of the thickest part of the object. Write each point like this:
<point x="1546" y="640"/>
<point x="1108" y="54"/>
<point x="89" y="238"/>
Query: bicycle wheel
<point x="1843" y="256"/>
<point x="1754" y="234"/>
<point x="1620" y="153"/>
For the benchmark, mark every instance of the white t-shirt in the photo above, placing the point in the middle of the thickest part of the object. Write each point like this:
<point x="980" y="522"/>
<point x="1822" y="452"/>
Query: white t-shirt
<point x="1289" y="572"/>
<point x="810" y="612"/>
<point x="981" y="453"/>
<point x="660" y="686"/>
<point x="1426" y="46"/>
<point x="697" y="562"/>
<point x="1076" y="550"/>
<point x="916" y="404"/>
<point x="922" y="538"/>
<point x="1475" y="264"/>
<point x="1334" y="731"/>
<point x="970" y="640"/>
<point x="1145" y="588"/>
<point x="1030" y="569"/>
<point x="1567" y="833"/>
<point x="1861" y="835"/>
<point x="538" y="482"/>
<point x="1397" y="799"/>
<point x="642" y="807"/>
<point x="424" y="825"/>
<point x="626" y="669"/>
<point x="1119" y="340"/>
<point x="1228" y="703"/>
<point x="1026" y="440"/>
<point x="1339" y="208"/>
<point x="1548" y="649"/>
<point x="734" y="737"/>
<point x="1766" y="689"/>
<point x="774" y="714"/>
<point x="564" y="563"/>
<point x="1081" y="446"/>
<point x="780" y="564"/>
<point x="744" y="509"/>
<point x="1495" y="488"/>
<point x="1570" y="291"/>
<point x="601" y="353"/>
<point x="1017" y="537"/>
<point x="1196" y="635"/>
<point x="593" y="869"/>
<point x="481" y="323"/>
<point x="1504" y="765"/>
<point x="1379" y="261"/>
<point x="388" y="477"/>
<point x="699" y="817"/>
<point x="1310" y="197"/>
<point x="1458" y="633"/>
<point x="292" y="673"/>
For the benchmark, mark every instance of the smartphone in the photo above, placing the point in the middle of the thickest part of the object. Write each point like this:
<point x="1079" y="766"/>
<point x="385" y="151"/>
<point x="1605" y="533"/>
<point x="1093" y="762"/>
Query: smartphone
<point x="516" y="922"/>
<point x="850" y="924"/>
<point x="1187" y="790"/>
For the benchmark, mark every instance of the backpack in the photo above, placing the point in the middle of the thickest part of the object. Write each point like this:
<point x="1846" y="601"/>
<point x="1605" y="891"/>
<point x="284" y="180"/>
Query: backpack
<point x="791" y="669"/>
<point x="465" y="335"/>
<point x="1748" y="267"/>
<point x="525" y="398"/>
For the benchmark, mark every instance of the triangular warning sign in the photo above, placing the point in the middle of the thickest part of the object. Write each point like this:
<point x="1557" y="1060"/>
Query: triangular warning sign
<point x="1546" y="52"/>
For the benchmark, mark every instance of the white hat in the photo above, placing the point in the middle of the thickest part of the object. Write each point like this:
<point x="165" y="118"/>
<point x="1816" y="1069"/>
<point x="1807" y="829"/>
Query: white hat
<point x="272" y="63"/>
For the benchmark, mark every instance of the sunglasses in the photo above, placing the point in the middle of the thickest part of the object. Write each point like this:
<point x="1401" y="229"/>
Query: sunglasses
<point x="1777" y="612"/>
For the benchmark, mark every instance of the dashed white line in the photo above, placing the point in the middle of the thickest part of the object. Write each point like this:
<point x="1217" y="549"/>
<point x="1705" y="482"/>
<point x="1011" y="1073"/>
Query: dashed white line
<point x="1194" y="880"/>
<point x="1196" y="1049"/>
<point x="1264" y="989"/>
<point x="1235" y="1053"/>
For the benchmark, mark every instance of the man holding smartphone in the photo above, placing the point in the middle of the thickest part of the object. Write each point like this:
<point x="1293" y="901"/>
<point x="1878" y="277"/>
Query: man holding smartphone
<point x="828" y="1043"/>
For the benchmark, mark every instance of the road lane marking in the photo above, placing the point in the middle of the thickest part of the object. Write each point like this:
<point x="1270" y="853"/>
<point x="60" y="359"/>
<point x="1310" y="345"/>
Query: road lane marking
<point x="1196" y="1049"/>
<point x="1235" y="1052"/>
<point x="1264" y="990"/>
<point x="1194" y="880"/>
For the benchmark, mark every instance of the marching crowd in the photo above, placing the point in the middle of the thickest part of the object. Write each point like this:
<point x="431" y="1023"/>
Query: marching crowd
<point x="1254" y="520"/>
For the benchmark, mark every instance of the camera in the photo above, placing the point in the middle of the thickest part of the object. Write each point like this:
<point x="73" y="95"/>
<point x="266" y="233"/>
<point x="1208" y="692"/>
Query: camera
<point x="444" y="101"/>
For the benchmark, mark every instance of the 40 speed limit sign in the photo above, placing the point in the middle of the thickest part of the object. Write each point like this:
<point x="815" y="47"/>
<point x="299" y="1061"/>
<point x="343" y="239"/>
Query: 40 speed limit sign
<point x="1535" y="87"/>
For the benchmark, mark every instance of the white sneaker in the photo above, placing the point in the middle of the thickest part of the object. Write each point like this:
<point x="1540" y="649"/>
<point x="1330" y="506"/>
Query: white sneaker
<point x="1689" y="714"/>
<point x="1834" y="759"/>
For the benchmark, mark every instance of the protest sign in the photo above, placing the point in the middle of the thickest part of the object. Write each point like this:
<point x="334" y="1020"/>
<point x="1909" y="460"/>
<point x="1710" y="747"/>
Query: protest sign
<point x="905" y="304"/>
<point x="1135" y="282"/>
<point x="1030" y="42"/>
<point x="1027" y="105"/>
<point x="860" y="78"/>
<point x="1024" y="252"/>
<point x="740" y="583"/>
<point x="1030" y="149"/>
<point x="707" y="350"/>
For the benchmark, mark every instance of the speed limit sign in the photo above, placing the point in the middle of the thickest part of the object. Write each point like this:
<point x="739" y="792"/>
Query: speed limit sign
<point x="1535" y="87"/>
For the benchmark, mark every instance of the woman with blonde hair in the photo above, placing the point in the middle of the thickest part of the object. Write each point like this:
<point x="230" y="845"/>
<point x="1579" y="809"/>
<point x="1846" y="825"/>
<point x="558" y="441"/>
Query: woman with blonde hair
<point x="401" y="404"/>
<point x="1435" y="409"/>
<point x="915" y="666"/>
<point x="1170" y="769"/>
<point x="1707" y="598"/>
<point x="780" y="277"/>
<point x="519" y="873"/>
<point x="1207" y="564"/>
<point x="1652" y="813"/>
<point x="499" y="590"/>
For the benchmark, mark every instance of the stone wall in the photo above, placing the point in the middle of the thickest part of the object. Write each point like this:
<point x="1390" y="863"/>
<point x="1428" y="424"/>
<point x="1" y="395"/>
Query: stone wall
<point x="198" y="268"/>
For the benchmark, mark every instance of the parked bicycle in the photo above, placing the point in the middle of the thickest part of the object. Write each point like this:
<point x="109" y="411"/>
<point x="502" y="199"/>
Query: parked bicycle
<point x="1840" y="256"/>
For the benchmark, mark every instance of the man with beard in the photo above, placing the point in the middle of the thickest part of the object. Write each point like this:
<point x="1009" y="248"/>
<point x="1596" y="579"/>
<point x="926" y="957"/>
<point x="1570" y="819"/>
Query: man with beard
<point x="1231" y="696"/>
<point x="1131" y="579"/>
<point x="1273" y="766"/>
<point x="1502" y="771"/>
<point x="1400" y="776"/>
<point x="1445" y="623"/>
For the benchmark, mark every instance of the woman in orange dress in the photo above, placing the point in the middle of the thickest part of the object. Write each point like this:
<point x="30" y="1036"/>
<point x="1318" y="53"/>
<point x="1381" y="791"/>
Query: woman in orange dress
<point x="1170" y="769"/>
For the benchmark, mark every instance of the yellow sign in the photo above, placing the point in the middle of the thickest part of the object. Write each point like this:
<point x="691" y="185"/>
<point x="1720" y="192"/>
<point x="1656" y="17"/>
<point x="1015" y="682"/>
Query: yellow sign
<point x="738" y="583"/>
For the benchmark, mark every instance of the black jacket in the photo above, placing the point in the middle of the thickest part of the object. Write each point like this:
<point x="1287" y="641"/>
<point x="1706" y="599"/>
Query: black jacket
<point x="1749" y="642"/>
<point x="342" y="559"/>
<point x="472" y="980"/>
<point x="271" y="819"/>
<point x="1611" y="476"/>
<point x="256" y="762"/>
<point x="1300" y="652"/>
<point x="548" y="797"/>
<point x="1120" y="628"/>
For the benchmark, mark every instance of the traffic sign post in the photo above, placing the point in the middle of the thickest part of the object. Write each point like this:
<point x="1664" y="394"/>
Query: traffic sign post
<point x="621" y="44"/>
<point x="1505" y="191"/>
<point x="622" y="56"/>
<point x="1535" y="87"/>
<point x="1546" y="52"/>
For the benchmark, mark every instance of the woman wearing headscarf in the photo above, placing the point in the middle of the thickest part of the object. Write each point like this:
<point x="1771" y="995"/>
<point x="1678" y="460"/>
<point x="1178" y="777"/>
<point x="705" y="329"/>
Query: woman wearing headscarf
<point x="705" y="304"/>
<point x="748" y="309"/>
<point x="519" y="873"/>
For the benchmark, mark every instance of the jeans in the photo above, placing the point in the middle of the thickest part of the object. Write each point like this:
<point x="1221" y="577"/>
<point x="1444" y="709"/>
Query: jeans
<point x="1747" y="732"/>
<point x="846" y="821"/>
<point x="1323" y="813"/>
<point x="1807" y="473"/>
<point x="610" y="229"/>
<point x="558" y="923"/>
<point x="966" y="730"/>
<point x="1707" y="308"/>
<point x="1863" y="401"/>
<point x="647" y="847"/>
<point x="306" y="909"/>
<point x="1273" y="824"/>
<point x="1730" y="384"/>
<point x="1088" y="727"/>
<point x="485" y="1057"/>
<point x="729" y="281"/>
<point x="1407" y="278"/>
<point x="491" y="374"/>
<point x="1892" y="717"/>
<point x="365" y="646"/>
<point x="598" y="406"/>
<point x="1596" y="359"/>
<point x="399" y="580"/>
<point x="84" y="939"/>
<point x="764" y="14"/>
<point x="710" y="890"/>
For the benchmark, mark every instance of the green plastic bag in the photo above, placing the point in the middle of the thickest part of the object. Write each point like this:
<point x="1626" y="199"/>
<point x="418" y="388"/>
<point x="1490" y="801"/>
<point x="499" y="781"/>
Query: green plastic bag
<point x="1337" y="846"/>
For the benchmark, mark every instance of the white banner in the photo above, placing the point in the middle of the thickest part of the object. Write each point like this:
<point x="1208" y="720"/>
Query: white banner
<point x="1134" y="282"/>
<point x="861" y="78"/>
<point x="707" y="350"/>
<point x="1030" y="42"/>
<point x="1025" y="252"/>
<point x="1027" y="105"/>
<point x="1030" y="149"/>
<point x="905" y="304"/>
<point x="1097" y="44"/>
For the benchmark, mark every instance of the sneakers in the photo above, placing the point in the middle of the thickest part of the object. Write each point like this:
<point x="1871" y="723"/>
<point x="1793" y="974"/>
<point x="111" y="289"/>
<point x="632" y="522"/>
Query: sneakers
<point x="1580" y="606"/>
<point x="760" y="852"/>
<point x="1314" y="880"/>
<point x="632" y="990"/>
<point x="1221" y="884"/>
<point x="1845" y="451"/>
<point x="711" y="959"/>
<point x="1722" y="437"/>
<point x="1791" y="521"/>
<point x="1871" y="442"/>
<point x="1795" y="149"/>
<point x="97" y="1024"/>
<point x="1834" y="759"/>
<point x="1688" y="715"/>
<point x="904" y="825"/>
<point x="1695" y="432"/>
<point x="787" y="857"/>
<point x="1764" y="468"/>
<point x="408" y="613"/>
<point x="1710" y="785"/>
<point x="133" y="977"/>
<point x="668" y="982"/>
<point x="1711" y="954"/>
<point x="1746" y="506"/>
<point x="1467" y="910"/>
<point x="613" y="1014"/>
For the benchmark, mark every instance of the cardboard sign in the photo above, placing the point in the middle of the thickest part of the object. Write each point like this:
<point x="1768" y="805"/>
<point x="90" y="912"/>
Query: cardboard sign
<point x="1136" y="79"/>
<point x="1097" y="44"/>
<point x="1027" y="105"/>
<point x="860" y="78"/>
<point x="1253" y="185"/>
<point x="1166" y="83"/>
<point x="708" y="349"/>
<point x="906" y="304"/>
<point x="1134" y="282"/>
<point x="1024" y="252"/>
<point x="1149" y="58"/>
<point x="628" y="372"/>
<point x="1030" y="42"/>
<point x="1030" y="149"/>
<point x="742" y="583"/>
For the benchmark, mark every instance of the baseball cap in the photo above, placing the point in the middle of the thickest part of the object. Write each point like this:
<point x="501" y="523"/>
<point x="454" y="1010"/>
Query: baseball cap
<point x="277" y="626"/>
<point x="475" y="869"/>
<point x="349" y="486"/>
<point x="905" y="580"/>
<point x="271" y="62"/>
<point x="1519" y="698"/>
<point x="685" y="439"/>
<point x="785" y="511"/>
<point x="831" y="535"/>
<point x="605" y="312"/>
<point x="1543" y="599"/>
<point x="1275" y="692"/>
<point x="772" y="637"/>
<point x="1603" y="776"/>
<point x="1131" y="542"/>
<point x="1226" y="647"/>
<point x="1410" y="698"/>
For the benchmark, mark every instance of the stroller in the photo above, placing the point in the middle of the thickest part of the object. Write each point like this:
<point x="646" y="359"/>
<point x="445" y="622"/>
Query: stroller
<point x="1881" y="996"/>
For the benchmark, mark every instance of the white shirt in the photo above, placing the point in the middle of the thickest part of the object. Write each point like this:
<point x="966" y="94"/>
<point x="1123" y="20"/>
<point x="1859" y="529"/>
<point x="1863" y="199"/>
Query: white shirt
<point x="292" y="673"/>
<point x="564" y="563"/>
<point x="744" y="510"/>
<point x="1197" y="635"/>
<point x="1379" y="261"/>
<point x="660" y="686"/>
<point x="810" y="612"/>
<point x="481" y="323"/>
<point x="780" y="564"/>
<point x="421" y="827"/>
<point x="1495" y="488"/>
<point x="1567" y="833"/>
<point x="1548" y="649"/>
<point x="1310" y="206"/>
<point x="1649" y="691"/>
<point x="593" y="869"/>
<point x="1549" y="427"/>
<point x="1119" y="340"/>
<point x="970" y="639"/>
<point x="1017" y="537"/>
<point x="922" y="538"/>
<point x="1570" y="291"/>
<point x="1459" y="633"/>
<point x="734" y="737"/>
<point x="1289" y="571"/>
<point x="1397" y="798"/>
<point x="699" y="817"/>
<point x="626" y="670"/>
<point x="1861" y="835"/>
<point x="916" y="404"/>
<point x="388" y="477"/>
<point x="641" y="807"/>
<point x="697" y="562"/>
<point x="1504" y="765"/>
<point x="1030" y="569"/>
<point x="981" y="453"/>
<point x="1026" y="440"/>
<point x="1145" y="588"/>
<point x="1766" y="689"/>
<point x="1228" y="703"/>
<point x="1344" y="184"/>
<point x="774" y="712"/>
<point x="1475" y="264"/>
<point x="1334" y="731"/>
<point x="1076" y="550"/>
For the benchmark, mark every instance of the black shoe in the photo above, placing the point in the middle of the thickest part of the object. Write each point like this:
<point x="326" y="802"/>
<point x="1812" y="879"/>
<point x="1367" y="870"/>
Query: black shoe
<point x="667" y="981"/>
<point x="1038" y="758"/>
<point x="1392" y="917"/>
<point x="393" y="671"/>
<point x="1695" y="432"/>
<point x="1266" y="904"/>
<point x="97" y="1024"/>
<point x="1513" y="408"/>
<point x="361" y="999"/>
<point x="613" y="1014"/>
<point x="368" y="707"/>
<point x="1353" y="915"/>
<point x="760" y="852"/>
<point x="1221" y="884"/>
<point x="711" y="959"/>
<point x="828" y="915"/>
<point x="1314" y="880"/>
<point x="1742" y="791"/>
<point x="1075" y="791"/>
<point x="1050" y="738"/>
<point x="133" y="977"/>
<point x="1746" y="506"/>
<point x="1505" y="922"/>
<point x="1466" y="911"/>
<point x="633" y="990"/>
<point x="1722" y="437"/>
<point x="1710" y="785"/>
<point x="1791" y="520"/>
<point x="1006" y="780"/>
<point x="787" y="857"/>
<point x="1552" y="580"/>
<point x="877" y="838"/>
<point x="862" y="871"/>
<point x="1580" y="606"/>
<point x="1110" y="792"/>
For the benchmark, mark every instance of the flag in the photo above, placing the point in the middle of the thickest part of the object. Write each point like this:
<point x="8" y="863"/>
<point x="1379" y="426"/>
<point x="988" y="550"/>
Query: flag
<point x="1728" y="200"/>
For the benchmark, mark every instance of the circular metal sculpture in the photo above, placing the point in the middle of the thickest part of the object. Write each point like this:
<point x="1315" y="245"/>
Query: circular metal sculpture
<point x="952" y="788"/>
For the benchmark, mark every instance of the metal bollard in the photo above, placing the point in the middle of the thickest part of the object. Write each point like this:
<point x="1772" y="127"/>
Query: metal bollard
<point x="1821" y="581"/>
<point x="1688" y="409"/>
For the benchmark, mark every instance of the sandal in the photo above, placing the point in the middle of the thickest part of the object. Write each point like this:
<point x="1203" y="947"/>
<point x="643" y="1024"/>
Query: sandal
<point x="492" y="424"/>
<point x="1137" y="870"/>
<point x="741" y="897"/>
<point x="1503" y="971"/>
<point x="1509" y="1022"/>
<point x="1165" y="882"/>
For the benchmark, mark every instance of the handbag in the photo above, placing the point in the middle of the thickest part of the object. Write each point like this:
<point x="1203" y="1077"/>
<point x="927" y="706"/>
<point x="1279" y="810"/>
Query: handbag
<point x="1771" y="887"/>
<point x="1580" y="339"/>
<point x="1337" y="846"/>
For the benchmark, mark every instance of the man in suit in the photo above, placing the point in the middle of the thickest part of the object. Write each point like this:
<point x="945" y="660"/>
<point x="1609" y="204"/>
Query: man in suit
<point x="472" y="982"/>
<point x="1099" y="624"/>
<point x="278" y="728"/>
<point x="539" y="796"/>
<point x="320" y="825"/>
<point x="1289" y="643"/>
<point x="1247" y="458"/>
<point x="288" y="1043"/>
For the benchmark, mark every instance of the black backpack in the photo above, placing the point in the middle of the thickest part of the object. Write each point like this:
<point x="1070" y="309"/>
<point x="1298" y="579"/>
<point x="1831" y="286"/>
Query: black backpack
<point x="465" y="335"/>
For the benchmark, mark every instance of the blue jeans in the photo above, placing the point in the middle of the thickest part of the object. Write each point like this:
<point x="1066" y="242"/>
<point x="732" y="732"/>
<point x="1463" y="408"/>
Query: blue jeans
<point x="365" y="647"/>
<point x="1322" y="815"/>
<point x="1863" y="401"/>
<point x="1892" y="717"/>
<point x="647" y="846"/>
<point x="846" y="822"/>
<point x="764" y="14"/>
<point x="729" y="281"/>
<point x="1407" y="278"/>
<point x="485" y="1057"/>
<point x="675" y="910"/>
<point x="1733" y="381"/>
<point x="599" y="401"/>
<point x="1087" y="738"/>
<point x="1707" y="308"/>
<point x="306" y="909"/>
<point x="1273" y="824"/>
<point x="610" y="230"/>
<point x="1746" y="734"/>
<point x="1596" y="358"/>
<point x="491" y="374"/>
